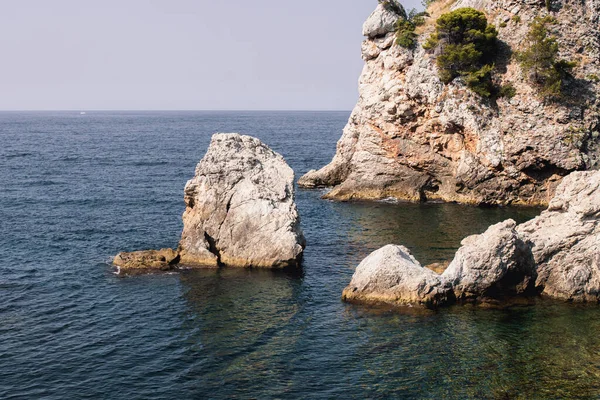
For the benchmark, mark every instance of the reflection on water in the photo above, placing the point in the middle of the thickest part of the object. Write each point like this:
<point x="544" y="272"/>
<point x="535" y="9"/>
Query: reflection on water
<point x="241" y="318"/>
<point x="258" y="332"/>
<point x="431" y="231"/>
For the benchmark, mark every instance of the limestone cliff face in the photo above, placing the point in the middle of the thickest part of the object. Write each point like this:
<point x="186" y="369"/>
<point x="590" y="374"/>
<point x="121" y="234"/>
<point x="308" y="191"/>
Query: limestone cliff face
<point x="412" y="137"/>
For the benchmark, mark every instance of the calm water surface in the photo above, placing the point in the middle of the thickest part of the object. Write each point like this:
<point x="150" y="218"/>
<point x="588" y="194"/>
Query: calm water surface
<point x="76" y="189"/>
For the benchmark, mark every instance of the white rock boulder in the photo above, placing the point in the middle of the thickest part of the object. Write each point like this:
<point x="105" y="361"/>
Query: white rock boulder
<point x="494" y="265"/>
<point x="489" y="267"/>
<point x="240" y="212"/>
<point x="391" y="275"/>
<point x="556" y="254"/>
<point x="240" y="208"/>
<point x="380" y="22"/>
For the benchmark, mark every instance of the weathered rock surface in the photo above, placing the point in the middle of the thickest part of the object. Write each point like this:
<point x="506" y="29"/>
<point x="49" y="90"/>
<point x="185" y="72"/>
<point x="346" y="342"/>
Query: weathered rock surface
<point x="240" y="208"/>
<point x="391" y="275"/>
<point x="566" y="240"/>
<point x="240" y="212"/>
<point x="556" y="254"/>
<point x="497" y="264"/>
<point x="381" y="22"/>
<point x="412" y="137"/>
<point x="135" y="261"/>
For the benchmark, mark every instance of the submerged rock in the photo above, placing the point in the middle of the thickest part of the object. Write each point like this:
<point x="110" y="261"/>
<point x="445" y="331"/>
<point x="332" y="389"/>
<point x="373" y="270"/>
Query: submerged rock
<point x="497" y="264"/>
<point x="136" y="261"/>
<point x="566" y="240"/>
<point x="240" y="212"/>
<point x="240" y="208"/>
<point x="391" y="275"/>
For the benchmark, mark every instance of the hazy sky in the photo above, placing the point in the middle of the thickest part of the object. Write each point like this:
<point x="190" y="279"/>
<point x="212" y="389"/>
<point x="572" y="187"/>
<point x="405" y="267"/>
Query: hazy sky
<point x="181" y="54"/>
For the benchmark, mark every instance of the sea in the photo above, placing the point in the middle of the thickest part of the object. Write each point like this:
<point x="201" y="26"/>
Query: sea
<point x="75" y="189"/>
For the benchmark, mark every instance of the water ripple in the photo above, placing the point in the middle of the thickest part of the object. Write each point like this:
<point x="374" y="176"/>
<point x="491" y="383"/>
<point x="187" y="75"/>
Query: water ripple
<point x="75" y="191"/>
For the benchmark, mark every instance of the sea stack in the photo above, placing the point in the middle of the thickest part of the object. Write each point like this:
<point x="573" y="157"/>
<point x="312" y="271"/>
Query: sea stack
<point x="240" y="212"/>
<point x="413" y="137"/>
<point x="240" y="208"/>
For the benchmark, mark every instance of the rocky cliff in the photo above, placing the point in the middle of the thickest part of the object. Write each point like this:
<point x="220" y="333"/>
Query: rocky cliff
<point x="412" y="137"/>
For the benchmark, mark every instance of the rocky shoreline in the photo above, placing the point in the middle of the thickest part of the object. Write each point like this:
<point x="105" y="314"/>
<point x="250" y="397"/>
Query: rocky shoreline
<point x="556" y="255"/>
<point x="412" y="137"/>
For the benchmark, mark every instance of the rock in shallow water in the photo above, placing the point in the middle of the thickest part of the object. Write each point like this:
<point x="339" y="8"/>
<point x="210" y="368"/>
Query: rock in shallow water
<point x="494" y="265"/>
<point x="136" y="261"/>
<point x="391" y="275"/>
<point x="556" y="254"/>
<point x="240" y="212"/>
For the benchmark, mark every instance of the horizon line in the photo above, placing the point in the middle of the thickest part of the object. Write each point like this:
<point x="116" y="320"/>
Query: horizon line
<point x="174" y="110"/>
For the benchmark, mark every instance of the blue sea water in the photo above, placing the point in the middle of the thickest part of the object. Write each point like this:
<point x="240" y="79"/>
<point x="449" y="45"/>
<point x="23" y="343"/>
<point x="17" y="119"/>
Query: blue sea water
<point x="76" y="189"/>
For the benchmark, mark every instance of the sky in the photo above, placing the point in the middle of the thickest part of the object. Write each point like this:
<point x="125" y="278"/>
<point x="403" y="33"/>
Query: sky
<point x="181" y="54"/>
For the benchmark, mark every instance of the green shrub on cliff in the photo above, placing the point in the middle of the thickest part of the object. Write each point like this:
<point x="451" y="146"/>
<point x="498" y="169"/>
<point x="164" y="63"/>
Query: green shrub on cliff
<point x="593" y="78"/>
<point x="507" y="91"/>
<point x="465" y="45"/>
<point x="480" y="81"/>
<point x="405" y="28"/>
<point x="540" y="59"/>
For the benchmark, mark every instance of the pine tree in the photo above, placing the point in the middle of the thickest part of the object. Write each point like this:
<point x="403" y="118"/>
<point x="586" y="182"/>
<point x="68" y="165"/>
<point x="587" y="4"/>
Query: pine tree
<point x="465" y="45"/>
<point x="539" y="59"/>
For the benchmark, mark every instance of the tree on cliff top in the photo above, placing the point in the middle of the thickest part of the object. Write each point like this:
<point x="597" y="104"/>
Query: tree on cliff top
<point x="465" y="45"/>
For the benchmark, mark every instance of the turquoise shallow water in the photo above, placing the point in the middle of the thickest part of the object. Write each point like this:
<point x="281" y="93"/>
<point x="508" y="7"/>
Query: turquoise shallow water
<point x="76" y="189"/>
